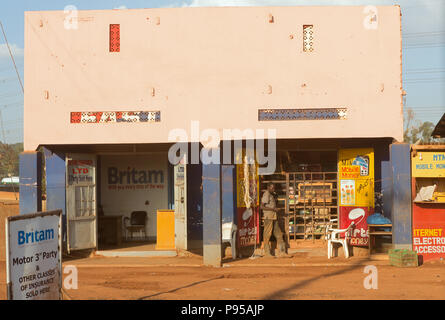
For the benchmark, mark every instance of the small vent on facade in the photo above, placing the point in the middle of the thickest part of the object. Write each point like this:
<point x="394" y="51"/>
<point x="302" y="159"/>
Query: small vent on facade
<point x="308" y="38"/>
<point x="115" y="38"/>
<point x="302" y="114"/>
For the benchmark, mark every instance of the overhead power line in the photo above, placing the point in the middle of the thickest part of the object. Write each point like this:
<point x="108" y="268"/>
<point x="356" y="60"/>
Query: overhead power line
<point x="421" y="109"/>
<point x="4" y="80"/>
<point x="424" y="45"/>
<point x="12" y="57"/>
<point x="427" y="107"/>
<point x="7" y="69"/>
<point x="422" y="34"/>
<point x="430" y="2"/>
<point x="15" y="105"/>
<point x="417" y="71"/>
<point x="9" y="94"/>
<point x="421" y="79"/>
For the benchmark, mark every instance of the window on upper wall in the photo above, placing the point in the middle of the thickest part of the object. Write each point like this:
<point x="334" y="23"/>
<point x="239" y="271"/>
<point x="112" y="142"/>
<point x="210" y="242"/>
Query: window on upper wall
<point x="308" y="38"/>
<point x="115" y="38"/>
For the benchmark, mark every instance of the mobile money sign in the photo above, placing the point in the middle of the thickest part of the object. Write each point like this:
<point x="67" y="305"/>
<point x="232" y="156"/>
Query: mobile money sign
<point x="356" y="191"/>
<point x="33" y="256"/>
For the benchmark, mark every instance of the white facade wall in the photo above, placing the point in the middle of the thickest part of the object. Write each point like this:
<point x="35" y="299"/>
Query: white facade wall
<point x="214" y="65"/>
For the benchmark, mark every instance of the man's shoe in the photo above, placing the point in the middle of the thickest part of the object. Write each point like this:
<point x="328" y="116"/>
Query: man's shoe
<point x="267" y="254"/>
<point x="284" y="255"/>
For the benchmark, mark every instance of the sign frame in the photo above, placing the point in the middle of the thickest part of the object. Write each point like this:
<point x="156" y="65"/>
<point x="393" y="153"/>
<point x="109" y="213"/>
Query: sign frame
<point x="73" y="221"/>
<point x="9" y="283"/>
<point x="356" y="172"/>
<point x="428" y="164"/>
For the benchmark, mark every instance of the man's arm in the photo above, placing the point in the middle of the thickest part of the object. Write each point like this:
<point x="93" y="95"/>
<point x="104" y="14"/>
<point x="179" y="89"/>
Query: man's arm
<point x="264" y="200"/>
<point x="262" y="207"/>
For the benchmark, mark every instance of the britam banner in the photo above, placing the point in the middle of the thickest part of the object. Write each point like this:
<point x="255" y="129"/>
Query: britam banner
<point x="33" y="256"/>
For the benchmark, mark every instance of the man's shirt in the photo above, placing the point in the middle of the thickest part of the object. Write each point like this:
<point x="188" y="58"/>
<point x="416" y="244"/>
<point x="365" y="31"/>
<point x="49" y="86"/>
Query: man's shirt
<point x="269" y="201"/>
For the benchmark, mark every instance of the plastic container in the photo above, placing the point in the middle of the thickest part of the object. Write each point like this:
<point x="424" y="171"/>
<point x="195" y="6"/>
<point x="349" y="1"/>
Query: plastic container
<point x="403" y="258"/>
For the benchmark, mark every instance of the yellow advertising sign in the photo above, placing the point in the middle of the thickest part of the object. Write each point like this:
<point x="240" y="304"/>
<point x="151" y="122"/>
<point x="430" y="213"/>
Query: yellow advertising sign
<point x="356" y="177"/>
<point x="247" y="184"/>
<point x="428" y="164"/>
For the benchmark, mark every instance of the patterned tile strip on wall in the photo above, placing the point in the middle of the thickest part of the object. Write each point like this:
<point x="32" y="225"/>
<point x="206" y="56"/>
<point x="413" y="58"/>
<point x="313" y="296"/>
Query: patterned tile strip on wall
<point x="302" y="114"/>
<point x="115" y="38"/>
<point x="115" y="116"/>
<point x="308" y="38"/>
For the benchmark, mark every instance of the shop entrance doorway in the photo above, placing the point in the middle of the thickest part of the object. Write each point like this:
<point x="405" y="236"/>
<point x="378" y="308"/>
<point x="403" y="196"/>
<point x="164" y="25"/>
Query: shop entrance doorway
<point x="133" y="190"/>
<point x="81" y="201"/>
<point x="306" y="187"/>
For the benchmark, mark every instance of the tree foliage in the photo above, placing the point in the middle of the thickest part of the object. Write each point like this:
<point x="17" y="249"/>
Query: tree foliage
<point x="416" y="131"/>
<point x="9" y="159"/>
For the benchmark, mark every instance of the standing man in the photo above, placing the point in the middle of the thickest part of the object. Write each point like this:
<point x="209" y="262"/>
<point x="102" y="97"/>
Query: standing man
<point x="271" y="225"/>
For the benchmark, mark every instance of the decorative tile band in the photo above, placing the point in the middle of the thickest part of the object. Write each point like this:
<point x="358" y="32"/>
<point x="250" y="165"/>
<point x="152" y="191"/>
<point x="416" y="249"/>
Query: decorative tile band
<point x="302" y="114"/>
<point x="308" y="38"/>
<point x="115" y="116"/>
<point x="115" y="37"/>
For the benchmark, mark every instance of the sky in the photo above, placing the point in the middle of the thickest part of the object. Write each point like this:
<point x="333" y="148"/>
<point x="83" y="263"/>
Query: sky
<point x="423" y="56"/>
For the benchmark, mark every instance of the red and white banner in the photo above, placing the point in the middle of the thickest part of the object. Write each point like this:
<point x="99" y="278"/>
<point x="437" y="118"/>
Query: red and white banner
<point x="248" y="226"/>
<point x="359" y="234"/>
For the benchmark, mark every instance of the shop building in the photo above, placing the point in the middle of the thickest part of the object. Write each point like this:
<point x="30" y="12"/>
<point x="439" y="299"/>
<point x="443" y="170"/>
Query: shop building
<point x="109" y="92"/>
<point x="428" y="197"/>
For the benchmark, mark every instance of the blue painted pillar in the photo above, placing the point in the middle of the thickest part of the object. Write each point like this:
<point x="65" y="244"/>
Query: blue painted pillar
<point x="211" y="185"/>
<point x="30" y="187"/>
<point x="401" y="190"/>
<point x="194" y="206"/>
<point x="55" y="184"/>
<point x="387" y="188"/>
<point x="228" y="190"/>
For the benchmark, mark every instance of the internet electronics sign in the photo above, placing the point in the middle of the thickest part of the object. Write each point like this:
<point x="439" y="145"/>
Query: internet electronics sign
<point x="33" y="256"/>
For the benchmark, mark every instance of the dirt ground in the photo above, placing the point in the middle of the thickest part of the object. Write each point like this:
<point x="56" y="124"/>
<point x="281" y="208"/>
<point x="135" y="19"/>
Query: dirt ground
<point x="288" y="278"/>
<point x="8" y="207"/>
<point x="304" y="276"/>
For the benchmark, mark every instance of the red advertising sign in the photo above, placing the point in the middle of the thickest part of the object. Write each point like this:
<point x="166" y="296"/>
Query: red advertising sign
<point x="247" y="186"/>
<point x="429" y="230"/>
<point x="80" y="171"/>
<point x="359" y="235"/>
<point x="428" y="211"/>
<point x="429" y="242"/>
<point x="248" y="227"/>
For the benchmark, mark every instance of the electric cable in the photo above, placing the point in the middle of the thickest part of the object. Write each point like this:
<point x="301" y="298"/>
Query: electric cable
<point x="12" y="57"/>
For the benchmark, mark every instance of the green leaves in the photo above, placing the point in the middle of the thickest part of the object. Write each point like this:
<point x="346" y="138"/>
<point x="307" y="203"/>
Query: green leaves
<point x="417" y="131"/>
<point x="9" y="159"/>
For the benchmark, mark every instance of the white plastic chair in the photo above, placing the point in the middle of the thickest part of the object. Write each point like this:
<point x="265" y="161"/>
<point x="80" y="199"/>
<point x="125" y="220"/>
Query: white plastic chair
<point x="229" y="236"/>
<point x="333" y="236"/>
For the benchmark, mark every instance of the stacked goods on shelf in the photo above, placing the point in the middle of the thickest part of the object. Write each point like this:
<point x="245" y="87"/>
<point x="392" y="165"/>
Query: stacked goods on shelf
<point x="311" y="203"/>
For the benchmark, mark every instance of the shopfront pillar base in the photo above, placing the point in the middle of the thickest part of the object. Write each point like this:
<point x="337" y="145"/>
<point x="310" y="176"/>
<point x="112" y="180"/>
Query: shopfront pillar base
<point x="211" y="186"/>
<point x="401" y="216"/>
<point x="30" y="168"/>
<point x="212" y="255"/>
<point x="55" y="184"/>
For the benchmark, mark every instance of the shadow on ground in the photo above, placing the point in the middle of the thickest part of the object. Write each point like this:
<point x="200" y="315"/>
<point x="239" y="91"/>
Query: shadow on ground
<point x="179" y="288"/>
<point x="280" y="294"/>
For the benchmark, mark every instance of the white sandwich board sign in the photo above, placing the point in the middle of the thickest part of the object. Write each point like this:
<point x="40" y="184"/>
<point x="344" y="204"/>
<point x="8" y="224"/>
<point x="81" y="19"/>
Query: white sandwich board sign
<point x="33" y="256"/>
